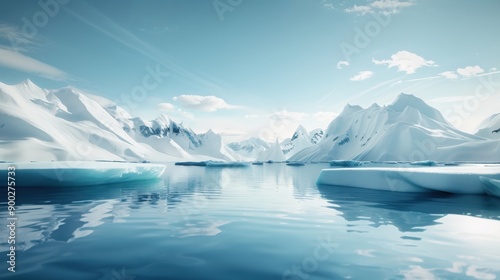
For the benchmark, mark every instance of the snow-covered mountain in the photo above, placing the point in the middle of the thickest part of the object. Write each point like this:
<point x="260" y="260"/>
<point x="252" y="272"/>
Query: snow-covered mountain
<point x="300" y="140"/>
<point x="406" y="130"/>
<point x="490" y="127"/>
<point x="274" y="153"/>
<point x="316" y="135"/>
<point x="67" y="124"/>
<point x="250" y="148"/>
<point x="254" y="148"/>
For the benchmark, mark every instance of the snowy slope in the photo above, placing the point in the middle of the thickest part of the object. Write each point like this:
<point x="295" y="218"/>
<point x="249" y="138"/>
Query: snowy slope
<point x="250" y="148"/>
<point x="490" y="127"/>
<point x="67" y="124"/>
<point x="406" y="130"/>
<point x="274" y="153"/>
<point x="38" y="124"/>
<point x="316" y="135"/>
<point x="299" y="141"/>
<point x="167" y="136"/>
<point x="253" y="148"/>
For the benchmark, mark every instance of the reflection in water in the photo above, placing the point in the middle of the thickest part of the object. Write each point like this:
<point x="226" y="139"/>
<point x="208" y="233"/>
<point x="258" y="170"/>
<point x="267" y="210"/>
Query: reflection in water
<point x="252" y="223"/>
<point x="66" y="214"/>
<point x="437" y="222"/>
<point x="409" y="212"/>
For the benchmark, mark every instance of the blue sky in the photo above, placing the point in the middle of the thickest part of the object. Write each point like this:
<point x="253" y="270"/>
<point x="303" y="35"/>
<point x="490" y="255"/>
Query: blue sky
<point x="256" y="67"/>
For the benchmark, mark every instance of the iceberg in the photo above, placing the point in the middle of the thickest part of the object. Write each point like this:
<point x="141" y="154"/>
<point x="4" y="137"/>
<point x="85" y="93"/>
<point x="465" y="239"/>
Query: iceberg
<point x="295" y="163"/>
<point x="462" y="179"/>
<point x="491" y="186"/>
<point x="191" y="163"/>
<point x="211" y="163"/>
<point x="79" y="173"/>
<point x="424" y="163"/>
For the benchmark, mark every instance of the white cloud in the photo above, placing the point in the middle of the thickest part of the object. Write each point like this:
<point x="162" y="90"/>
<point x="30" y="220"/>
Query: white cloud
<point x="171" y="109"/>
<point x="418" y="272"/>
<point x="285" y="115"/>
<point x="18" y="61"/>
<point x="480" y="272"/>
<point x="365" y="253"/>
<point x="329" y="6"/>
<point x="342" y="63"/>
<point x="166" y="106"/>
<point x="449" y="75"/>
<point x="204" y="103"/>
<point x="362" y="75"/>
<point x="324" y="116"/>
<point x="251" y="116"/>
<point x="385" y="7"/>
<point x="470" y="71"/>
<point x="359" y="9"/>
<point x="493" y="69"/>
<point x="405" y="61"/>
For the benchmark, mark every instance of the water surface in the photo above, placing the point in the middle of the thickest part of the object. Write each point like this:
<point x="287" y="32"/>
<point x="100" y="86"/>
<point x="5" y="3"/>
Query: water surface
<point x="259" y="222"/>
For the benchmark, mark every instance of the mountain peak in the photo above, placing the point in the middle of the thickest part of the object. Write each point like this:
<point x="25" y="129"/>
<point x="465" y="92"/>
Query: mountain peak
<point x="301" y="128"/>
<point x="409" y="100"/>
<point x="406" y="99"/>
<point x="375" y="105"/>
<point x="29" y="84"/>
<point x="349" y="109"/>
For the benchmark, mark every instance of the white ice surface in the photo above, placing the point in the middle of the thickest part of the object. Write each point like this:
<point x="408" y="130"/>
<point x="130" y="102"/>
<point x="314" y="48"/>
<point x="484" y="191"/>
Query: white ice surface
<point x="463" y="179"/>
<point x="79" y="173"/>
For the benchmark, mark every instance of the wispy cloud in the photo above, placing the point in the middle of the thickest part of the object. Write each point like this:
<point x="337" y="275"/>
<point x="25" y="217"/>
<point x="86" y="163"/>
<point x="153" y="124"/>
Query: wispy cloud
<point x="14" y="55"/>
<point x="362" y="75"/>
<point x="406" y="62"/>
<point x="324" y="116"/>
<point x="341" y="64"/>
<point x="329" y="6"/>
<point x="204" y="103"/>
<point x="130" y="40"/>
<point x="285" y="115"/>
<point x="12" y="38"/>
<point x="18" y="61"/>
<point x="385" y="7"/>
<point x="448" y="99"/>
<point x="251" y="116"/>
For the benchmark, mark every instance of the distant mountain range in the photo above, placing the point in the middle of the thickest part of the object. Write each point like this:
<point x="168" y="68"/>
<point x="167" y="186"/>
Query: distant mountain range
<point x="406" y="130"/>
<point x="67" y="124"/>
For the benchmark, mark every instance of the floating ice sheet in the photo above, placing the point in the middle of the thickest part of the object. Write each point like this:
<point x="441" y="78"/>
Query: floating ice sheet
<point x="462" y="179"/>
<point x="80" y="173"/>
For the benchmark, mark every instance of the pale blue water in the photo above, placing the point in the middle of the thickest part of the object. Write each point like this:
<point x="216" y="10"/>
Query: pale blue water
<point x="260" y="222"/>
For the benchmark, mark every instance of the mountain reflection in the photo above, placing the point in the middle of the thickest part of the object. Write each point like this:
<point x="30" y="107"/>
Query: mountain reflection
<point x="67" y="214"/>
<point x="409" y="212"/>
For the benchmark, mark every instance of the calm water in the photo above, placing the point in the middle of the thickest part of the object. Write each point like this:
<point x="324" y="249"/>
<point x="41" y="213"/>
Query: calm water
<point x="260" y="222"/>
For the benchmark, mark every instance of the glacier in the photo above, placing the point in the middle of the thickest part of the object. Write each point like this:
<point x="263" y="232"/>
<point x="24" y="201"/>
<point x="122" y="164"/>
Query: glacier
<point x="68" y="124"/>
<point x="457" y="179"/>
<point x="406" y="130"/>
<point x="79" y="173"/>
